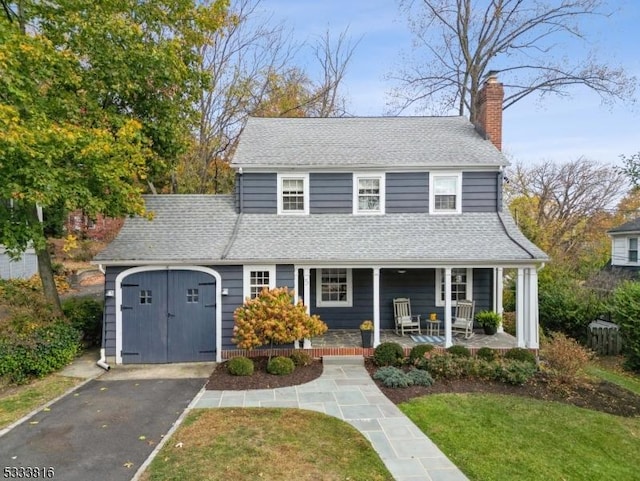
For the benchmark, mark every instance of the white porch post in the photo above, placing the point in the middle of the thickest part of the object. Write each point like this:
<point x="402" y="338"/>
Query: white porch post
<point x="447" y="307"/>
<point x="532" y="312"/>
<point x="498" y="283"/>
<point x="520" y="308"/>
<point x="306" y="274"/>
<point x="376" y="306"/>
<point x="295" y="284"/>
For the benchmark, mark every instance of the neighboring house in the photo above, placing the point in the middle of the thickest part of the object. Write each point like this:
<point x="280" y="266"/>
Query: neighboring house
<point x="22" y="268"/>
<point x="624" y="247"/>
<point x="349" y="212"/>
<point x="100" y="228"/>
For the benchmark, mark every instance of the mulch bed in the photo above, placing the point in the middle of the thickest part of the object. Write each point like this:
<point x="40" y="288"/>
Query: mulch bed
<point x="221" y="380"/>
<point x="602" y="396"/>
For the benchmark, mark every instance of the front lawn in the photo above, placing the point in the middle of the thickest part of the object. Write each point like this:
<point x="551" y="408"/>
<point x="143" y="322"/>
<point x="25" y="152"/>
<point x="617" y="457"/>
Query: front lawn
<point x="610" y="369"/>
<point x="502" y="438"/>
<point x="250" y="444"/>
<point x="16" y="402"/>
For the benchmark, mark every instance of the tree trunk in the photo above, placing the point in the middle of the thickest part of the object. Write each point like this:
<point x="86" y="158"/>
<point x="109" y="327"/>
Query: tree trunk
<point x="45" y="269"/>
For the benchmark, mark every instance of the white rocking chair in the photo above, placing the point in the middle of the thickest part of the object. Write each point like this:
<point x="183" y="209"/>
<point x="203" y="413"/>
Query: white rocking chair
<point x="462" y="321"/>
<point x="405" y="321"/>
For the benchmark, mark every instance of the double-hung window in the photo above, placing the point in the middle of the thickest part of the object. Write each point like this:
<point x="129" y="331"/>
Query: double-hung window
<point x="293" y="194"/>
<point x="633" y="249"/>
<point x="257" y="278"/>
<point x="368" y="193"/>
<point x="461" y="285"/>
<point x="334" y="288"/>
<point x="445" y="193"/>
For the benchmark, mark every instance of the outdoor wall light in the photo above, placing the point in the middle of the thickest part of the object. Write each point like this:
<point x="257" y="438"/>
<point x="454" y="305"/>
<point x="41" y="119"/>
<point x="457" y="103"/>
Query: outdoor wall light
<point x="225" y="291"/>
<point x="110" y="293"/>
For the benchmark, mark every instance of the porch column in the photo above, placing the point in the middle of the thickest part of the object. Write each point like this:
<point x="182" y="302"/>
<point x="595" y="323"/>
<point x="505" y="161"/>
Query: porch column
<point x="296" y="288"/>
<point x="448" y="342"/>
<point x="376" y="306"/>
<point x="498" y="283"/>
<point x="520" y="308"/>
<point x="306" y="274"/>
<point x="532" y="311"/>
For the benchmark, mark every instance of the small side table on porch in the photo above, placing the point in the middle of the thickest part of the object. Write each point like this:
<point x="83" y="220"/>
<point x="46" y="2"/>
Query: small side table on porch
<point x="433" y="327"/>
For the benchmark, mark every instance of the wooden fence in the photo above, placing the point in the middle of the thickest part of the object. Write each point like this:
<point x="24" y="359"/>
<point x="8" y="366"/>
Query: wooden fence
<point x="604" y="338"/>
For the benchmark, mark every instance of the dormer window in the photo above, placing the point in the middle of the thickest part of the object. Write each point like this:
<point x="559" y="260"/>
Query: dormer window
<point x="368" y="193"/>
<point x="445" y="193"/>
<point x="293" y="194"/>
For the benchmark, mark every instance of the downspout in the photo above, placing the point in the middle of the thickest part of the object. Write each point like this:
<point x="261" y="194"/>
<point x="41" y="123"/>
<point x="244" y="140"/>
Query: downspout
<point x="102" y="362"/>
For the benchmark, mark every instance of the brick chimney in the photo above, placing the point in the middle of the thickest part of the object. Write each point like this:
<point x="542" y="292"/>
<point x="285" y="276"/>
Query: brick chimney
<point x="488" y="116"/>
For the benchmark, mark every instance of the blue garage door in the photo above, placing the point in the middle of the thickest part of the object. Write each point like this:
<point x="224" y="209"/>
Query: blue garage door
<point x="168" y="316"/>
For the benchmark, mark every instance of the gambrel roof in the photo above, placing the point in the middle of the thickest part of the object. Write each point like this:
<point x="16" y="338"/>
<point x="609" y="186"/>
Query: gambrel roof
<point x="364" y="142"/>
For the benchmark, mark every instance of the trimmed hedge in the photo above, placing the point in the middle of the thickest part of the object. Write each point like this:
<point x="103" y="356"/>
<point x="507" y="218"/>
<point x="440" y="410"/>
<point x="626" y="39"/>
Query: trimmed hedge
<point x="43" y="351"/>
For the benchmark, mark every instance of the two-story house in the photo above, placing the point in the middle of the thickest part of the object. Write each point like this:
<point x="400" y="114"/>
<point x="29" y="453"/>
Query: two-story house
<point x="624" y="247"/>
<point x="349" y="212"/>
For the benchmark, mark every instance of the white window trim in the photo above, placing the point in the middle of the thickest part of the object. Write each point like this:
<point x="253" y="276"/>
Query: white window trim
<point x="305" y="186"/>
<point x="246" y="278"/>
<point x="321" y="303"/>
<point x="432" y="193"/>
<point x="440" y="273"/>
<point x="369" y="175"/>
<point x="629" y="261"/>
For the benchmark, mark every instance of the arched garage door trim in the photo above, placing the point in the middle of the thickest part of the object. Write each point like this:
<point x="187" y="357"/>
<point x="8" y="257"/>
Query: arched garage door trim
<point x="118" y="288"/>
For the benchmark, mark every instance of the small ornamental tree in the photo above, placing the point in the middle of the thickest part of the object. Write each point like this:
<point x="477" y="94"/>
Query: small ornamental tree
<point x="273" y="318"/>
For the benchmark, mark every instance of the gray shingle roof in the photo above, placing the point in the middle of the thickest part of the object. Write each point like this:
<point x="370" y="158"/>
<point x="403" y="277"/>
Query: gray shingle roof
<point x="184" y="228"/>
<point x="200" y="228"/>
<point x="363" y="142"/>
<point x="631" y="226"/>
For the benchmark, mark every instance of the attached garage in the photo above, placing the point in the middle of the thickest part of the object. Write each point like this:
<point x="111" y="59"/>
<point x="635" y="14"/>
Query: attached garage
<point x="168" y="316"/>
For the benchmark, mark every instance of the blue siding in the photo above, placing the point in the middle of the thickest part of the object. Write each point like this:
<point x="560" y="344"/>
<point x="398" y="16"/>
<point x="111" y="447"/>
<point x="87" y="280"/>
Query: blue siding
<point x="109" y="332"/>
<point x="331" y="193"/>
<point x="407" y="192"/>
<point x="231" y="280"/>
<point x="483" y="289"/>
<point x="285" y="276"/>
<point x="480" y="191"/>
<point x="260" y="192"/>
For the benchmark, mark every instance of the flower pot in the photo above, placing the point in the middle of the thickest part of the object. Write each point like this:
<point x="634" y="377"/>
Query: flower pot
<point x="367" y="338"/>
<point x="490" y="330"/>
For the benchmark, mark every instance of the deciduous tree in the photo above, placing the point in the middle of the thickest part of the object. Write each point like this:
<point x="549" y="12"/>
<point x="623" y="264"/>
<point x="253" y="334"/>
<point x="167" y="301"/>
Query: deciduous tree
<point x="458" y="42"/>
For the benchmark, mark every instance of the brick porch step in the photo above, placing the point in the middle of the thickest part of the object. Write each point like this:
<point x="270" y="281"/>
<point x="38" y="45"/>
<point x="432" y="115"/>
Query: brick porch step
<point x="342" y="360"/>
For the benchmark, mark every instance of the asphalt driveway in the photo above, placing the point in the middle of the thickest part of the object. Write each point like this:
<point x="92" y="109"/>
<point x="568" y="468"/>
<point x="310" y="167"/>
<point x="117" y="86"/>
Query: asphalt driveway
<point x="102" y="431"/>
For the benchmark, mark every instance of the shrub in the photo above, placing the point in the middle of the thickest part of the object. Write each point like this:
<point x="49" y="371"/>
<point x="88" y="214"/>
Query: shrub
<point x="447" y="366"/>
<point x="626" y="312"/>
<point x="280" y="366"/>
<point x="388" y="354"/>
<point x="418" y="352"/>
<point x="486" y="353"/>
<point x="420" y="377"/>
<point x="240" y="366"/>
<point x="514" y="372"/>
<point x="459" y="351"/>
<point x="564" y="358"/>
<point x="39" y="352"/>
<point x="301" y="358"/>
<point x="520" y="354"/>
<point x="509" y="322"/>
<point x="273" y="318"/>
<point x="85" y="314"/>
<point x="391" y="376"/>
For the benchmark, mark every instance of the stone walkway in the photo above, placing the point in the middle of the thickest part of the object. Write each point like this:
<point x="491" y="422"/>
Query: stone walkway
<point x="345" y="390"/>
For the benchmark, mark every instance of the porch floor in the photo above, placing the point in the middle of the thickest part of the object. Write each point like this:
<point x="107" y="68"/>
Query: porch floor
<point x="351" y="338"/>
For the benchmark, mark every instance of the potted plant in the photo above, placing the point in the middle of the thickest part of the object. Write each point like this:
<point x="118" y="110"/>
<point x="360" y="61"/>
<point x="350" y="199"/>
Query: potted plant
<point x="366" y="331"/>
<point x="489" y="320"/>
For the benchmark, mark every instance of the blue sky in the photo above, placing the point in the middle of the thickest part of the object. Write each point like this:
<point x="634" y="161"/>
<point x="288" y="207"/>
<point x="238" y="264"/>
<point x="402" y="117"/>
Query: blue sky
<point x="553" y="129"/>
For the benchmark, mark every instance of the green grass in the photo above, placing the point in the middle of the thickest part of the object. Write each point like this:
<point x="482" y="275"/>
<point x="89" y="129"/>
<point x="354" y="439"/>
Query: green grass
<point x="18" y="401"/>
<point x="250" y="444"/>
<point x="494" y="437"/>
<point x="609" y="369"/>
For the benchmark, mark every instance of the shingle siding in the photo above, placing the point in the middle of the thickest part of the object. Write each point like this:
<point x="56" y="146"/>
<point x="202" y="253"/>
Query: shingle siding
<point x="407" y="192"/>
